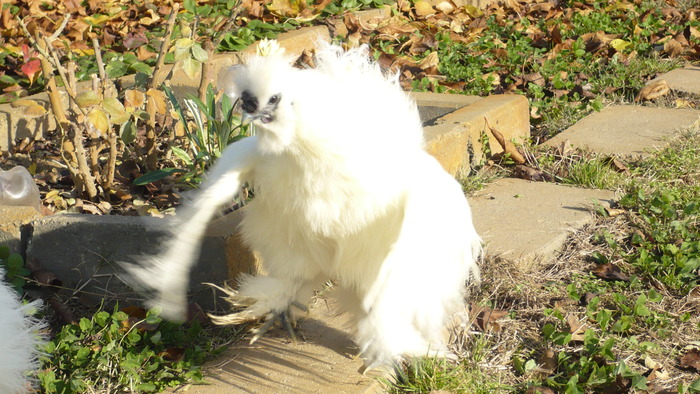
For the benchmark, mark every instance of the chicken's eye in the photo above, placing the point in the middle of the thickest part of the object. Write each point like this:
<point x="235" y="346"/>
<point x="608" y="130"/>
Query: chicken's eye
<point x="274" y="99"/>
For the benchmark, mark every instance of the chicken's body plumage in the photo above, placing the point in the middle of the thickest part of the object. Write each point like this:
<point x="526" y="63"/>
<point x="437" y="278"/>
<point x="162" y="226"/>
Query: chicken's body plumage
<point x="343" y="190"/>
<point x="20" y="341"/>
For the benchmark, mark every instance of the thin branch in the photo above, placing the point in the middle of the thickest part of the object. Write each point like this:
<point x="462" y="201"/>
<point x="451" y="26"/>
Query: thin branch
<point x="210" y="45"/>
<point x="228" y="26"/>
<point x="98" y="57"/>
<point x="160" y="60"/>
<point x="58" y="31"/>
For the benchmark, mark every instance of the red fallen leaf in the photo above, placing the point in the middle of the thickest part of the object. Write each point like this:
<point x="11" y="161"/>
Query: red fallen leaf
<point x="691" y="360"/>
<point x="31" y="68"/>
<point x="609" y="271"/>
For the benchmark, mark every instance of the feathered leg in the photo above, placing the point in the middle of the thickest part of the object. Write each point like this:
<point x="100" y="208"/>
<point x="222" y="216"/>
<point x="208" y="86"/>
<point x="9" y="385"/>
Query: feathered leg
<point x="167" y="274"/>
<point x="421" y="283"/>
<point x="269" y="298"/>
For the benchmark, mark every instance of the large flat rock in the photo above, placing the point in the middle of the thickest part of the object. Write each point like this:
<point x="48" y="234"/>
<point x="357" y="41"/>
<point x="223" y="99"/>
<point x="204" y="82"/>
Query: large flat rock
<point x="627" y="130"/>
<point x="529" y="222"/>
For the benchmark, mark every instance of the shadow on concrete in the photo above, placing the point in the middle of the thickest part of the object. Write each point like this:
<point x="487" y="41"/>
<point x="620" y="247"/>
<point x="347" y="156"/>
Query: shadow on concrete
<point x="84" y="252"/>
<point x="325" y="362"/>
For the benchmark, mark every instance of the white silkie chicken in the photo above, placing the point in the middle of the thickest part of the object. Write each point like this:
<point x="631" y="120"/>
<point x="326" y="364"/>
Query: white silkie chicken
<point x="344" y="190"/>
<point x="20" y="341"/>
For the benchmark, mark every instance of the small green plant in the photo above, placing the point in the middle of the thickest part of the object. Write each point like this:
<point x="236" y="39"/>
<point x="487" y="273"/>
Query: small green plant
<point x="15" y="272"/>
<point x="670" y="250"/>
<point x="595" y="173"/>
<point x="215" y="127"/>
<point x="124" y="352"/>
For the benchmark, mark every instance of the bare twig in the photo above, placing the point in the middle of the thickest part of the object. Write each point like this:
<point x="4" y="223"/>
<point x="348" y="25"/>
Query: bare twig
<point x="108" y="178"/>
<point x="210" y="45"/>
<point x="164" y="46"/>
<point x="88" y="181"/>
<point x="62" y="26"/>
<point x="100" y="62"/>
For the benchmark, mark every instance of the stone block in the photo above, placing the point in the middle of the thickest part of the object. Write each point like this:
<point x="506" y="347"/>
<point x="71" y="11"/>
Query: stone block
<point x="223" y="234"/>
<point x="456" y="139"/>
<point x="432" y="106"/>
<point x="627" y="130"/>
<point x="83" y="251"/>
<point x="374" y="15"/>
<point x="529" y="222"/>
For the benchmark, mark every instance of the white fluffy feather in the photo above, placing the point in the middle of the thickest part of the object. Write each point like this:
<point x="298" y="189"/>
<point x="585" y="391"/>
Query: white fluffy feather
<point x="19" y="341"/>
<point x="344" y="190"/>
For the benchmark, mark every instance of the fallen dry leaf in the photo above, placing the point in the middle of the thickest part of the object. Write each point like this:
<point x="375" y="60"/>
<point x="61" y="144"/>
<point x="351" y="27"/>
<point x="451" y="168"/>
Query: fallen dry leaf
<point x="423" y="8"/>
<point x="673" y="48"/>
<point x="576" y="327"/>
<point x="548" y="361"/>
<point x="531" y="174"/>
<point x="653" y="91"/>
<point x="609" y="271"/>
<point x="691" y="359"/>
<point x="486" y="319"/>
<point x="507" y="146"/>
<point x="616" y="164"/>
<point x="612" y="212"/>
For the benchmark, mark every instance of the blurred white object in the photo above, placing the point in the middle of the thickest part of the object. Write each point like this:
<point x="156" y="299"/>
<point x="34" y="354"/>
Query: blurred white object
<point x="19" y="341"/>
<point x="344" y="190"/>
<point x="17" y="188"/>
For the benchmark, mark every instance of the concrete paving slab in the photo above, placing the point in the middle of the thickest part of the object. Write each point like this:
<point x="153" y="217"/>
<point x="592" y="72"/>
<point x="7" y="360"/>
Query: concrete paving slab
<point x="627" y="130"/>
<point x="528" y="222"/>
<point x="686" y="79"/>
<point x="83" y="251"/>
<point x="324" y="363"/>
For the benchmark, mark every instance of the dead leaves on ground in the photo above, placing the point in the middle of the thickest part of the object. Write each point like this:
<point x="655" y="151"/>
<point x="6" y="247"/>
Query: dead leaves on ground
<point x="611" y="272"/>
<point x="691" y="358"/>
<point x="487" y="319"/>
<point x="400" y="46"/>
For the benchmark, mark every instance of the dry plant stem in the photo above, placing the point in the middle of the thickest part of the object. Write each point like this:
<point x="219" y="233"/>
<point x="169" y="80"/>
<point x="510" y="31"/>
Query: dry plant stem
<point x="151" y="152"/>
<point x="67" y="147"/>
<point x="164" y="46"/>
<point x="74" y="156"/>
<point x="109" y="170"/>
<point x="150" y="143"/>
<point x="83" y="168"/>
<point x="98" y="58"/>
<point x="210" y="46"/>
